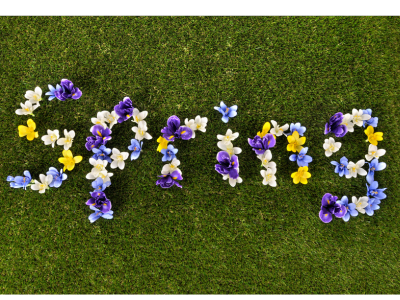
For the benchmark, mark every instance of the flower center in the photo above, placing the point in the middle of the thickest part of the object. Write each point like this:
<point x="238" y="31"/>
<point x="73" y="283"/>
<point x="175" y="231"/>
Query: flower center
<point x="120" y="157"/>
<point x="141" y="132"/>
<point x="331" y="148"/>
<point x="198" y="126"/>
<point x="99" y="167"/>
<point x="27" y="109"/>
<point x="53" y="138"/>
<point x="357" y="119"/>
<point x="269" y="176"/>
<point x="227" y="109"/>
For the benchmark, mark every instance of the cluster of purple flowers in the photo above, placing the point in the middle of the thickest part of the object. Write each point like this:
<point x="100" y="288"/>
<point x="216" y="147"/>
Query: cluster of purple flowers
<point x="172" y="132"/>
<point x="63" y="91"/>
<point x="335" y="125"/>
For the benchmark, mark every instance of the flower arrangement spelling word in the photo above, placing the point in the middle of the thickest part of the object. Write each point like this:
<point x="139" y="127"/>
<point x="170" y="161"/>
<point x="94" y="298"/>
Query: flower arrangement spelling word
<point x="53" y="177"/>
<point x="102" y="156"/>
<point x="170" y="173"/>
<point x="340" y="125"/>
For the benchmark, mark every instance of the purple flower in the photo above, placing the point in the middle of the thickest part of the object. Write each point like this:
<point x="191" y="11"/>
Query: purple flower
<point x="260" y="145"/>
<point x="53" y="89"/>
<point x="103" y="133"/>
<point x="341" y="168"/>
<point x="20" y="181"/>
<point x="169" y="180"/>
<point x="175" y="131"/>
<point x="93" y="142"/>
<point x="68" y="91"/>
<point x="124" y="109"/>
<point x="227" y="165"/>
<point x="100" y="201"/>
<point x="373" y="191"/>
<point x="97" y="214"/>
<point x="334" y="125"/>
<point x="330" y="207"/>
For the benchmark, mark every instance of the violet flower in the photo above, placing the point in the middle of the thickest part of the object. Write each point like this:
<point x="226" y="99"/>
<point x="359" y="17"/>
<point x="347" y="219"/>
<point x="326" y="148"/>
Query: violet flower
<point x="330" y="207"/>
<point x="173" y="130"/>
<point x="260" y="145"/>
<point x="20" y="181"/>
<point x="97" y="214"/>
<point x="68" y="91"/>
<point x="350" y="208"/>
<point x="373" y="191"/>
<point x="341" y="168"/>
<point x="93" y="142"/>
<point x="227" y="164"/>
<point x="58" y="177"/>
<point x="124" y="109"/>
<point x="102" y="153"/>
<point x="169" y="180"/>
<point x="334" y="125"/>
<point x="100" y="201"/>
<point x="53" y="89"/>
<point x="102" y="132"/>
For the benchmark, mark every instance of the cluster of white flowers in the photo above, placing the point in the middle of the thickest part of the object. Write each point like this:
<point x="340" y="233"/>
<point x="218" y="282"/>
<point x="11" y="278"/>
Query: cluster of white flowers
<point x="270" y="166"/>
<point x="104" y="117"/>
<point x="53" y="136"/>
<point x="33" y="98"/>
<point x="141" y="129"/>
<point x="225" y="144"/>
<point x="198" y="123"/>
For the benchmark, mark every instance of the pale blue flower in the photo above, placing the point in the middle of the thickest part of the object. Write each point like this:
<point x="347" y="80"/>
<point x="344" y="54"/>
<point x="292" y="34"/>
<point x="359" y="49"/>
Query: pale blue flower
<point x="227" y="112"/>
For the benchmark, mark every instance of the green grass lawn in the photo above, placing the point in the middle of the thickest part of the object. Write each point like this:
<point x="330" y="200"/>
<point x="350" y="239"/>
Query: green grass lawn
<point x="206" y="237"/>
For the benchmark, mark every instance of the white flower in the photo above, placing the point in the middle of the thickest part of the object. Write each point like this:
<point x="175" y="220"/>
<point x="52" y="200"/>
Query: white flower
<point x="374" y="152"/>
<point x="169" y="168"/>
<point x="43" y="185"/>
<point x="277" y="130"/>
<point x="348" y="121"/>
<point x="266" y="160"/>
<point x="99" y="120"/>
<point x="232" y="181"/>
<point x="34" y="96"/>
<point x="141" y="131"/>
<point x="98" y="166"/>
<point x="229" y="136"/>
<point x="138" y="116"/>
<point x="27" y="108"/>
<point x="103" y="174"/>
<point x="67" y="140"/>
<point x="198" y="123"/>
<point x="51" y="137"/>
<point x="355" y="169"/>
<point x="110" y="118"/>
<point x="228" y="147"/>
<point x="269" y="177"/>
<point x="360" y="203"/>
<point x="118" y="159"/>
<point x="359" y="117"/>
<point x="331" y="147"/>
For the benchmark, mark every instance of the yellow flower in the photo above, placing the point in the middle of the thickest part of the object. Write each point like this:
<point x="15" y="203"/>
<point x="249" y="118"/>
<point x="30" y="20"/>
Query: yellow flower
<point x="29" y="131"/>
<point x="163" y="143"/>
<point x="68" y="160"/>
<point x="295" y="142"/>
<point x="265" y="130"/>
<point x="373" y="138"/>
<point x="301" y="175"/>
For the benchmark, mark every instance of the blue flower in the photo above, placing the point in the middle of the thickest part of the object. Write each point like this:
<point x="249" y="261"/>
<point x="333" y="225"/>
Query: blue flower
<point x="373" y="191"/>
<point x="52" y="90"/>
<point x="20" y="181"/>
<point x="302" y="159"/>
<point x="341" y="167"/>
<point x="58" y="177"/>
<point x="350" y="208"/>
<point x="296" y="127"/>
<point x="97" y="214"/>
<point x="102" y="153"/>
<point x="374" y="165"/>
<point x="372" y="206"/>
<point x="227" y="112"/>
<point x="136" y="147"/>
<point x="371" y="122"/>
<point x="169" y="153"/>
<point x="99" y="185"/>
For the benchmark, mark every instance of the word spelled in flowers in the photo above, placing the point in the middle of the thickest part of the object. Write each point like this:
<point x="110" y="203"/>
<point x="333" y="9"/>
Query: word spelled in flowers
<point x="102" y="156"/>
<point x="170" y="173"/>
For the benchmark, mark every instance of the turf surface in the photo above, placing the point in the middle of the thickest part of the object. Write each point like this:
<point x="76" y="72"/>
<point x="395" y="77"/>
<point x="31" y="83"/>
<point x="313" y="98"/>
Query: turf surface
<point x="206" y="237"/>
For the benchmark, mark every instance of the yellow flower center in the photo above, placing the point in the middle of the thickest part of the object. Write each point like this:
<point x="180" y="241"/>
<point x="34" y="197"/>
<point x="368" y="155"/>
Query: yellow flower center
<point x="198" y="126"/>
<point x="53" y="138"/>
<point x="27" y="109"/>
<point x="120" y="157"/>
<point x="99" y="167"/>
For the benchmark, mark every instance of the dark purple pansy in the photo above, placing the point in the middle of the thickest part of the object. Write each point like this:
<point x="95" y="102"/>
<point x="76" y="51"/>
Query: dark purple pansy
<point x="260" y="145"/>
<point x="103" y="133"/>
<point x="334" y="125"/>
<point x="67" y="91"/>
<point x="227" y="165"/>
<point x="94" y="142"/>
<point x="169" y="180"/>
<point x="124" y="109"/>
<point x="330" y="207"/>
<point x="170" y="132"/>
<point x="100" y="201"/>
